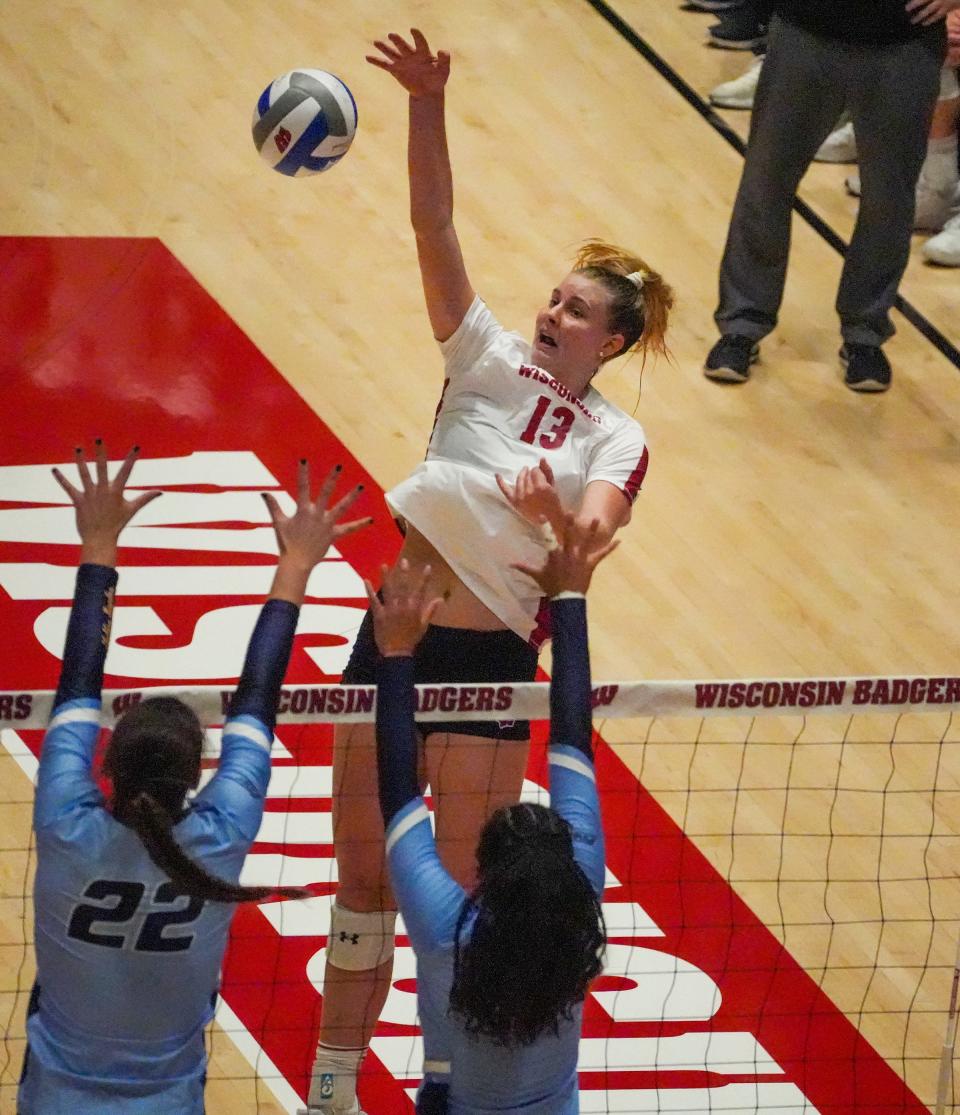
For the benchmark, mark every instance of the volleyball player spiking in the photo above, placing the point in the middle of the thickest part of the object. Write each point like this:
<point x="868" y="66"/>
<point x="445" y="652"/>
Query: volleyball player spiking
<point x="134" y="897"/>
<point x="520" y="432"/>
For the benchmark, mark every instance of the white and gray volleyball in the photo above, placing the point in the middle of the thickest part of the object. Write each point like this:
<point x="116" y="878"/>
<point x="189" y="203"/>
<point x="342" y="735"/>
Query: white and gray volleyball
<point x="304" y="122"/>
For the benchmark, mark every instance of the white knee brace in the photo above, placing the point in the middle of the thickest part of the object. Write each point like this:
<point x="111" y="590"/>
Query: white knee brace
<point x="949" y="88"/>
<point x="360" y="941"/>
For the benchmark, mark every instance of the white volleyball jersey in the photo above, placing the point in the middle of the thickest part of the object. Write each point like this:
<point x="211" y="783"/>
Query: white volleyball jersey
<point x="497" y="414"/>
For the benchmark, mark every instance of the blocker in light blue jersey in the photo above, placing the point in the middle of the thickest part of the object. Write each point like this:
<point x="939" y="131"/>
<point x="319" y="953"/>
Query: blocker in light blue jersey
<point x="482" y="1077"/>
<point x="127" y="967"/>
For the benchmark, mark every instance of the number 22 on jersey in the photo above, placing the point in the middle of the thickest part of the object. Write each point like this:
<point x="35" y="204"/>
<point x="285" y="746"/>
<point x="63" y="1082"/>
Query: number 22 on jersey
<point x="127" y="896"/>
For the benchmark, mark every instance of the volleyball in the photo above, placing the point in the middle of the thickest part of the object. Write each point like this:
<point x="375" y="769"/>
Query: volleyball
<point x="304" y="122"/>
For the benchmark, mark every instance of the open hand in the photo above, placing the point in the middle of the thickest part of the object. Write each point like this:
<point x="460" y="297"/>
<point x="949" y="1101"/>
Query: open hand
<point x="930" y="11"/>
<point x="305" y="536"/>
<point x="401" y="619"/>
<point x="534" y="495"/>
<point x="102" y="510"/>
<point x="421" y="73"/>
<point x="570" y="563"/>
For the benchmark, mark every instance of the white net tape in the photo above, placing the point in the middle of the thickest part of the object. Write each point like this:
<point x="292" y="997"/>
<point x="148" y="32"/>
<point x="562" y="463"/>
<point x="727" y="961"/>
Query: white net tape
<point x="355" y="704"/>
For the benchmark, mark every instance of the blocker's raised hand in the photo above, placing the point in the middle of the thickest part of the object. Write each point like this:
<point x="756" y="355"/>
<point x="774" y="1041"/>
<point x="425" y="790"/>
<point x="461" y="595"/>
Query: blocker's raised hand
<point x="305" y="536"/>
<point x="534" y="494"/>
<point x="401" y="619"/>
<point x="102" y="509"/>
<point x="571" y="558"/>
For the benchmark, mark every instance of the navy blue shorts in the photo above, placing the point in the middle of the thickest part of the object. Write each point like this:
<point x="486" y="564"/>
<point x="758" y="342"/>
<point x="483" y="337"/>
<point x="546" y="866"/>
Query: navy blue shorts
<point x="453" y="655"/>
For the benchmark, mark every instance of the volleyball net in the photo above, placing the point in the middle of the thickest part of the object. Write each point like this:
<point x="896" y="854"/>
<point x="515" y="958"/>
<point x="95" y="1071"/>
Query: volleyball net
<point x="782" y="899"/>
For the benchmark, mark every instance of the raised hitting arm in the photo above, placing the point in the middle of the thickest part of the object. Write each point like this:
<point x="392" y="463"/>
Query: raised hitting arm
<point x="446" y="287"/>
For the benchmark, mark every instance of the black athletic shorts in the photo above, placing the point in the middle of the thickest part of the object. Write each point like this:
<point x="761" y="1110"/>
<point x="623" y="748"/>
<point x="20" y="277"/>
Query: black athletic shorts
<point x="452" y="655"/>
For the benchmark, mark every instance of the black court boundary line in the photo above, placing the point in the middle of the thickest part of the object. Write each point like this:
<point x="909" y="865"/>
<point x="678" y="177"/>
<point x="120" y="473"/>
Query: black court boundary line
<point x="921" y="323"/>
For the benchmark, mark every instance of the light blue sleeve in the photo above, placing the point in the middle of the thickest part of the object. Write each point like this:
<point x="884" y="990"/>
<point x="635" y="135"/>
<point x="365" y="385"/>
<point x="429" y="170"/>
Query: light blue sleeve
<point x="573" y="794"/>
<point x="429" y="898"/>
<point x="65" y="774"/>
<point x="238" y="789"/>
<point x="434" y="981"/>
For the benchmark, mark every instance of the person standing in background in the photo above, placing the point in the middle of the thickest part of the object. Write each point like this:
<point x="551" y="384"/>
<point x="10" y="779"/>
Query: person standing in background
<point x="880" y="59"/>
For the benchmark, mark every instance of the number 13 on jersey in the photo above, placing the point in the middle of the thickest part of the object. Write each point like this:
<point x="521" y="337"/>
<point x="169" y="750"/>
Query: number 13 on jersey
<point x="554" y="435"/>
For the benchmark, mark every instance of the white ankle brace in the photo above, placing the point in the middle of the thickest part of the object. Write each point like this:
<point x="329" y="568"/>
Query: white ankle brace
<point x="333" y="1081"/>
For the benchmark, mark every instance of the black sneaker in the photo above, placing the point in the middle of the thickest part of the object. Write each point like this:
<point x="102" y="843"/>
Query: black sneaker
<point x="868" y="369"/>
<point x="738" y="29"/>
<point x="730" y="358"/>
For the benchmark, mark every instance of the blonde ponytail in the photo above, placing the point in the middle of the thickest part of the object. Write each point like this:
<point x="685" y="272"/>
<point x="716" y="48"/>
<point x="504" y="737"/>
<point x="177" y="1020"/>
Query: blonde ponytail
<point x="640" y="298"/>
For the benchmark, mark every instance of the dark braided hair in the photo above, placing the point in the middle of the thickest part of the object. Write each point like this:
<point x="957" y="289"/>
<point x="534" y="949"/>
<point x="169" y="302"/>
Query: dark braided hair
<point x="538" y="936"/>
<point x="153" y="759"/>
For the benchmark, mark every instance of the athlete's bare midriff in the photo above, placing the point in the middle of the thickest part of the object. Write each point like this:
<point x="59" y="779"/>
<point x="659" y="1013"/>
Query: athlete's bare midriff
<point x="460" y="607"/>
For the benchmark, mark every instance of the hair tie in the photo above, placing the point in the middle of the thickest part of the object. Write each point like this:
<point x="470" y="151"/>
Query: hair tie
<point x="638" y="278"/>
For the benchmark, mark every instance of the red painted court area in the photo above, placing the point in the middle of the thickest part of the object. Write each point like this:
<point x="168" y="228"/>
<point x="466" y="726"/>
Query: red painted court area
<point x="700" y="1008"/>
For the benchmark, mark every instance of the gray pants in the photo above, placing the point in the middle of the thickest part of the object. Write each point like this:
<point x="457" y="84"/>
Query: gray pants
<point x="806" y="82"/>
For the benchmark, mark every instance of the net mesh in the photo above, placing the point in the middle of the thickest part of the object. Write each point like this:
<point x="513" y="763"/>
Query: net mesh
<point x="841" y="834"/>
<point x="770" y="879"/>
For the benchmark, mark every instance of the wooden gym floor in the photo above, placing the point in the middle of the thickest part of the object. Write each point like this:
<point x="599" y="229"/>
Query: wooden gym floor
<point x="787" y="527"/>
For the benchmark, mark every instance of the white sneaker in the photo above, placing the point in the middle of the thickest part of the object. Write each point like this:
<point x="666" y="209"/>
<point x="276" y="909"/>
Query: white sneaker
<point x="840" y="146"/>
<point x="932" y="206"/>
<point x="936" y="195"/>
<point x="739" y="92"/>
<point x="944" y="248"/>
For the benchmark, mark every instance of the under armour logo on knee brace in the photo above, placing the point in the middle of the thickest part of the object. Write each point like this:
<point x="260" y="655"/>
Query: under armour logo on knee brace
<point x="353" y="938"/>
